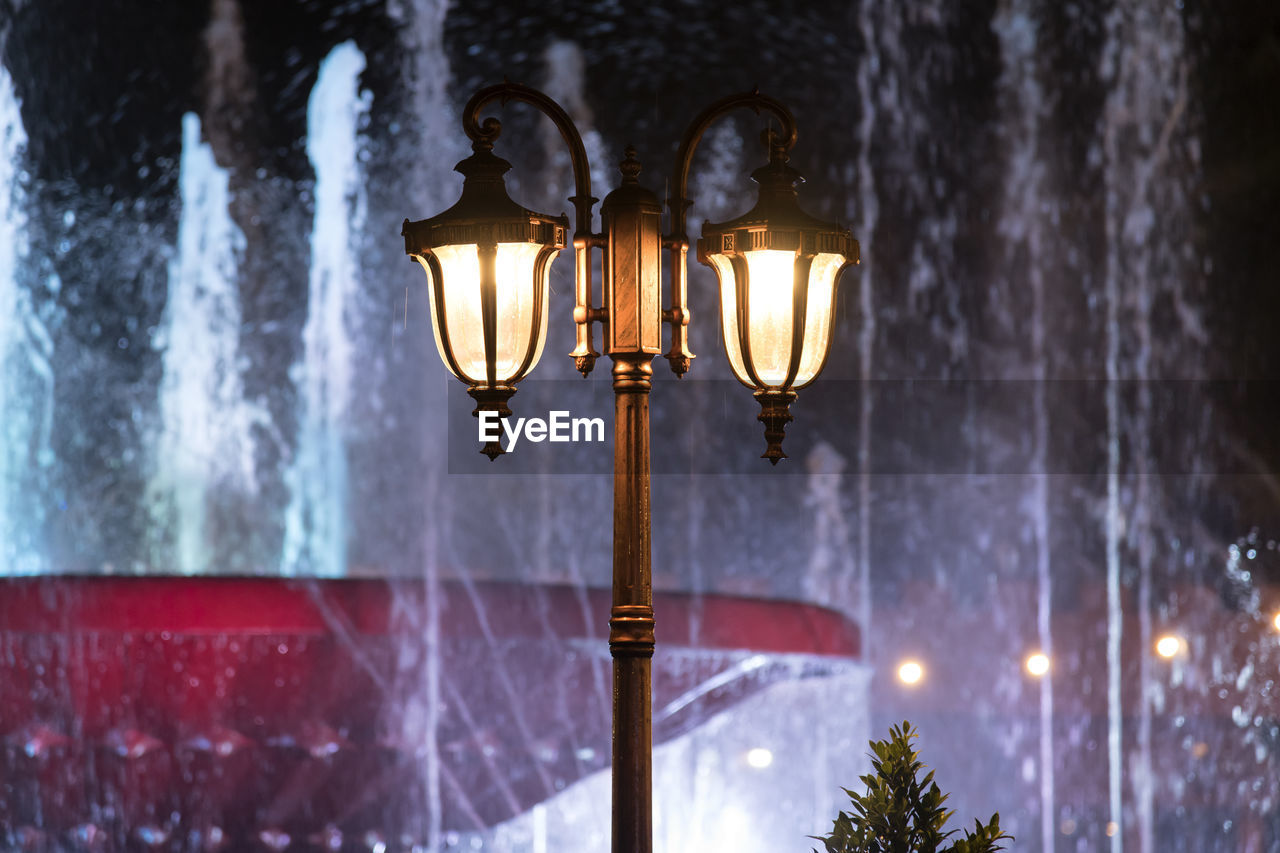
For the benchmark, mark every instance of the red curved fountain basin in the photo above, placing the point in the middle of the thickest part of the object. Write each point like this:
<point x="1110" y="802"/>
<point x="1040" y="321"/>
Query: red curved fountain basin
<point x="243" y="713"/>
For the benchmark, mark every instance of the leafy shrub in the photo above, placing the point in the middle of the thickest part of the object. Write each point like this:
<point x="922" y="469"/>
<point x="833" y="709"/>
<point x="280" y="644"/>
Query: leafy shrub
<point x="900" y="813"/>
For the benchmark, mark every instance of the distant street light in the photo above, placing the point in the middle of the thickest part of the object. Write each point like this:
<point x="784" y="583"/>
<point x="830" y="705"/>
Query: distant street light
<point x="910" y="672"/>
<point x="1038" y="664"/>
<point x="1169" y="646"/>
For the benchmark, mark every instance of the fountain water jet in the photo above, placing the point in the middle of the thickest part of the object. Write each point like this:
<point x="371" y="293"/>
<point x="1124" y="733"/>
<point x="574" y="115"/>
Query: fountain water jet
<point x="1027" y="236"/>
<point x="1144" y="64"/>
<point x="26" y="372"/>
<point x="204" y="447"/>
<point x="316" y="523"/>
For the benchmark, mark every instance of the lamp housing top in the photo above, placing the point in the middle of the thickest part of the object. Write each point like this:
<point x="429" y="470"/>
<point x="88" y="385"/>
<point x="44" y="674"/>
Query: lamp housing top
<point x="776" y="222"/>
<point x="485" y="213"/>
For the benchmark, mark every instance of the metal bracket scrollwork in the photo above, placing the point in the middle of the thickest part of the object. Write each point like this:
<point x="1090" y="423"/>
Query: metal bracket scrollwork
<point x="678" y="206"/>
<point x="484" y="133"/>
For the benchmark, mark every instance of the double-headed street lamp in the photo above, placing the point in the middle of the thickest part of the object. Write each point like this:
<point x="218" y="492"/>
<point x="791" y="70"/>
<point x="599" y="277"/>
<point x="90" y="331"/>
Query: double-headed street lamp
<point x="488" y="263"/>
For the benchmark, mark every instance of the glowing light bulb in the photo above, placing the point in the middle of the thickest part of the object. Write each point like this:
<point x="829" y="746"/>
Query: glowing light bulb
<point x="759" y="757"/>
<point x="1168" y="646"/>
<point x="1038" y="664"/>
<point x="1276" y="621"/>
<point x="910" y="672"/>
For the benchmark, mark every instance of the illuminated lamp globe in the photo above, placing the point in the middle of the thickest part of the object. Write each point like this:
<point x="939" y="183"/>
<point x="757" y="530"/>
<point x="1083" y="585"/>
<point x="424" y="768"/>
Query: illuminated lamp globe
<point x="488" y="264"/>
<point x="778" y="268"/>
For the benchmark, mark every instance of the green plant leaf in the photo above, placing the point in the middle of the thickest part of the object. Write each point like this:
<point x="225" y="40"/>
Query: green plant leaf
<point x="901" y="813"/>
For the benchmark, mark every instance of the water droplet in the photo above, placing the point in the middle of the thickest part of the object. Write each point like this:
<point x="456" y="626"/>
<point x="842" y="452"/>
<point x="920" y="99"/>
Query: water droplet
<point x="39" y="739"/>
<point x="330" y="838"/>
<point x="152" y="836"/>
<point x="131" y="743"/>
<point x="274" y="839"/>
<point x="89" y="835"/>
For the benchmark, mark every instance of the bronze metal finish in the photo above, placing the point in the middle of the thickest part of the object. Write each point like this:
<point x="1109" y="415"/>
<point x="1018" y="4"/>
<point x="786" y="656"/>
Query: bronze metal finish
<point x="678" y="205"/>
<point x="584" y="354"/>
<point x="631" y="632"/>
<point x="485" y="216"/>
<point x="632" y="317"/>
<point x="776" y="222"/>
<point x="631" y="217"/>
<point x="775" y="414"/>
<point x="491" y="399"/>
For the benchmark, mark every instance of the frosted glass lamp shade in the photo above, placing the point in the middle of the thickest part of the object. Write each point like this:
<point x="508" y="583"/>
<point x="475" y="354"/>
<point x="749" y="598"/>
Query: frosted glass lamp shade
<point x="777" y="268"/>
<point x="488" y="263"/>
<point x="775" y="315"/>
<point x="465" y="277"/>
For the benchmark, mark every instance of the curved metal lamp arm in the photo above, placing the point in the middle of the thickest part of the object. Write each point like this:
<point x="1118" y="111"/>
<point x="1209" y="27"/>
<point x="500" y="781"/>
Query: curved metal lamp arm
<point x="678" y="314"/>
<point x="483" y="134"/>
<point x="679" y="203"/>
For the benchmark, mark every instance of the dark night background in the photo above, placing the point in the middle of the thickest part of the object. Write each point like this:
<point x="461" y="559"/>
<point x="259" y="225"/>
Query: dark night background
<point x="927" y="132"/>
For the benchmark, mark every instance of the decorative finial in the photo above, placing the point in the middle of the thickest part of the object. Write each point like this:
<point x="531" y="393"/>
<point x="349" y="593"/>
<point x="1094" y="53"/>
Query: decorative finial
<point x="492" y="400"/>
<point x="679" y="364"/>
<point x="775" y="414"/>
<point x="630" y="166"/>
<point x="776" y="145"/>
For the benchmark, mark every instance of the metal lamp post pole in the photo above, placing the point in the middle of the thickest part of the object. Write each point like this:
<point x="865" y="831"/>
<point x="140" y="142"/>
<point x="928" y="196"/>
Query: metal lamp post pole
<point x="631" y="638"/>
<point x="632" y="317"/>
<point x="631" y="220"/>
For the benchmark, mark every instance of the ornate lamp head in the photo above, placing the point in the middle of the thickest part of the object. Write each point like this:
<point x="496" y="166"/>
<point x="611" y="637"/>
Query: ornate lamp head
<point x="488" y="262"/>
<point x="778" y="268"/>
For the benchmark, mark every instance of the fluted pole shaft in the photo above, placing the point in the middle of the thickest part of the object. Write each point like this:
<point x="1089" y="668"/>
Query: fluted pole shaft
<point x="631" y="620"/>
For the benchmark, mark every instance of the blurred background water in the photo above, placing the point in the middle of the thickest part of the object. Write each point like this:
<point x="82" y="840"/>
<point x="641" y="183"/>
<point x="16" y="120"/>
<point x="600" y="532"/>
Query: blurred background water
<point x="1047" y="423"/>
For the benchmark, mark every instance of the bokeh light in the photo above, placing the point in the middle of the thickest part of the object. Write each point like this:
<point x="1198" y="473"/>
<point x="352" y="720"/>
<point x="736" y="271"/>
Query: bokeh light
<point x="910" y="672"/>
<point x="1169" y="646"/>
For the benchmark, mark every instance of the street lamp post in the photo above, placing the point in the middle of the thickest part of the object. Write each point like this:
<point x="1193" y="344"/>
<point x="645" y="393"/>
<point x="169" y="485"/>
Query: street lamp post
<point x="488" y="262"/>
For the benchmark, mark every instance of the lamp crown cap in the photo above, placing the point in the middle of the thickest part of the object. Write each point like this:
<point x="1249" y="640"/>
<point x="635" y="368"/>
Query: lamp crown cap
<point x="483" y="164"/>
<point x="630" y="192"/>
<point x="777" y="177"/>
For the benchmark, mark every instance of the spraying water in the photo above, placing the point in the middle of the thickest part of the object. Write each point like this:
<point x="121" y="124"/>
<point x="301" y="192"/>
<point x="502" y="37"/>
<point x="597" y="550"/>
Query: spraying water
<point x="204" y="442"/>
<point x="866" y="213"/>
<point x="316" y="519"/>
<point x="26" y="349"/>
<point x="12" y="141"/>
<point x="431" y="113"/>
<point x="204" y="445"/>
<point x="1023" y="227"/>
<point x="1143" y="63"/>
